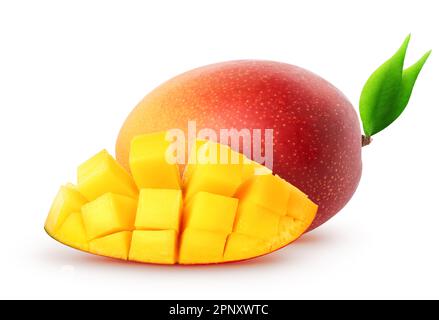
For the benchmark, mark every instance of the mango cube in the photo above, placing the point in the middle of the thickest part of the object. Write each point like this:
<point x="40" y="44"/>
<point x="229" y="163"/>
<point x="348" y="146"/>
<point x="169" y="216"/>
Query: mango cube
<point x="108" y="214"/>
<point x="151" y="162"/>
<point x="211" y="212"/>
<point x="200" y="246"/>
<point x="116" y="245"/>
<point x="252" y="168"/>
<point x="102" y="174"/>
<point x="300" y="207"/>
<point x="215" y="168"/>
<point x="154" y="246"/>
<point x="67" y="201"/>
<point x="241" y="247"/>
<point x="72" y="232"/>
<point x="159" y="209"/>
<point x="196" y="147"/>
<point x="257" y="221"/>
<point x="268" y="191"/>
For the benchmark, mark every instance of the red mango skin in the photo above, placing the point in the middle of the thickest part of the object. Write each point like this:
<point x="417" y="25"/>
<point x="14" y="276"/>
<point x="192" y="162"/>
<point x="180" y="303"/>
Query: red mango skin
<point x="317" y="135"/>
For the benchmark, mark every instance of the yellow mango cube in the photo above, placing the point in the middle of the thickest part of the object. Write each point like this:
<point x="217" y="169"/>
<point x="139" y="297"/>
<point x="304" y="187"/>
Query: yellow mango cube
<point x="151" y="164"/>
<point x="257" y="221"/>
<point x="102" y="174"/>
<point x="211" y="212"/>
<point x="154" y="246"/>
<point x="300" y="207"/>
<point x="219" y="179"/>
<point x="72" y="232"/>
<point x="252" y="168"/>
<point x="159" y="209"/>
<point x="192" y="159"/>
<point x="116" y="245"/>
<point x="214" y="168"/>
<point x="268" y="191"/>
<point x="241" y="247"/>
<point x="67" y="201"/>
<point x="200" y="246"/>
<point x="209" y="152"/>
<point x="108" y="214"/>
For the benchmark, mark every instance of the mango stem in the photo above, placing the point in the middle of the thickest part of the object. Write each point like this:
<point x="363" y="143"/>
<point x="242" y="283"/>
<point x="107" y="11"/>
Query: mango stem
<point x="365" y="140"/>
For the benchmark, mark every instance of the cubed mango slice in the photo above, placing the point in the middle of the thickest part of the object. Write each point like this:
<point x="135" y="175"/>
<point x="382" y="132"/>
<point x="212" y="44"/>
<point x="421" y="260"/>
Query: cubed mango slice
<point x="67" y="201"/>
<point x="159" y="209"/>
<point x="201" y="246"/>
<point x="241" y="247"/>
<point x="72" y="232"/>
<point x="154" y="246"/>
<point x="151" y="164"/>
<point x="211" y="212"/>
<point x="268" y="191"/>
<point x="108" y="214"/>
<point x="227" y="208"/>
<point x="116" y="245"/>
<point x="257" y="221"/>
<point x="102" y="174"/>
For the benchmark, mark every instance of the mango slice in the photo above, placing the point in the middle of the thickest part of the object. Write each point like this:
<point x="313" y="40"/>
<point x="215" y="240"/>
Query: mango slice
<point x="225" y="208"/>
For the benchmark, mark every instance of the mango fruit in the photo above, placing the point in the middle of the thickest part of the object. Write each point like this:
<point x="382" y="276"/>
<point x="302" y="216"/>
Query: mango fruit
<point x="216" y="212"/>
<point x="317" y="130"/>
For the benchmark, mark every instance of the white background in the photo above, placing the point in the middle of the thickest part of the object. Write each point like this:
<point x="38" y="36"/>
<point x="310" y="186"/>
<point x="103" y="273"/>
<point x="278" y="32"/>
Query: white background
<point x="70" y="71"/>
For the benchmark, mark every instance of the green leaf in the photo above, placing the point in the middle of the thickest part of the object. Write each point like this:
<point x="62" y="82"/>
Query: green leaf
<point x="380" y="92"/>
<point x="387" y="92"/>
<point x="409" y="77"/>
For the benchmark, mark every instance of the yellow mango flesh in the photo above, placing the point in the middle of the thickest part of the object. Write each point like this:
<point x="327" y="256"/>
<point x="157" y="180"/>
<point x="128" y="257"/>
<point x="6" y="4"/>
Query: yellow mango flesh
<point x="154" y="246"/>
<point x="217" y="212"/>
<point x="159" y="209"/>
<point x="201" y="246"/>
<point x="240" y="247"/>
<point x="267" y="191"/>
<point x="211" y="212"/>
<point x="72" y="232"/>
<point x="255" y="220"/>
<point x="150" y="163"/>
<point x="116" y="245"/>
<point x="108" y="214"/>
<point x="102" y="174"/>
<point x="213" y="168"/>
<point x="67" y="201"/>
